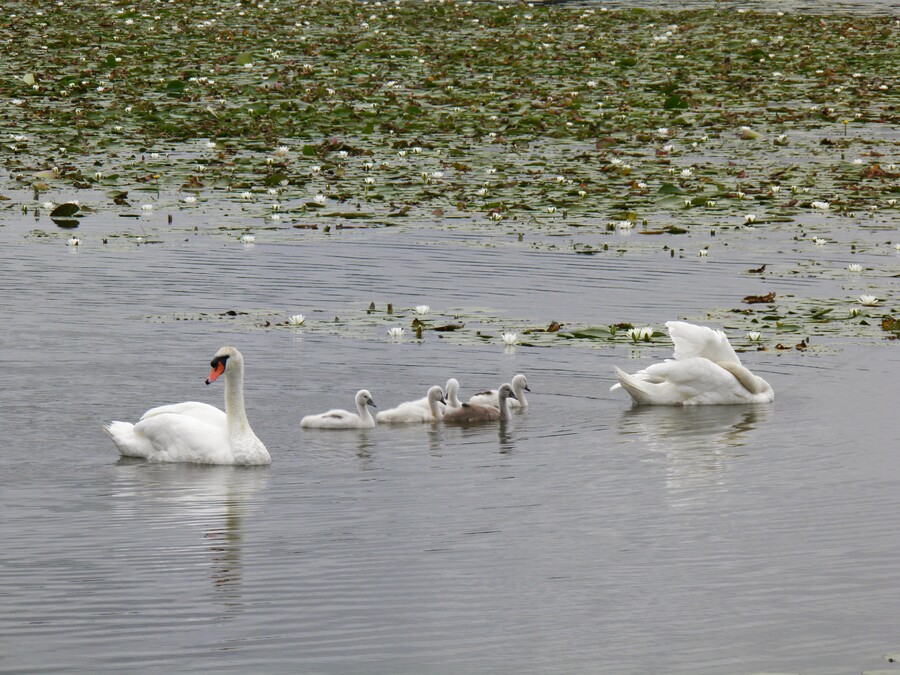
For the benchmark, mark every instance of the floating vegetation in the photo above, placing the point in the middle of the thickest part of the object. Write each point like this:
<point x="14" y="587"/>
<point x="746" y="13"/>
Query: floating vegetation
<point x="558" y="127"/>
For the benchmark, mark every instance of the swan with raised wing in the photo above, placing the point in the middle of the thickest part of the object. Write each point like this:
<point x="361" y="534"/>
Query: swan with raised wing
<point x="197" y="432"/>
<point x="704" y="370"/>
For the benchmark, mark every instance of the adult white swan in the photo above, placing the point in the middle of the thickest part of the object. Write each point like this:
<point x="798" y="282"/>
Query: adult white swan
<point x="342" y="419"/>
<point x="704" y="371"/>
<point x="470" y="413"/>
<point x="490" y="397"/>
<point x="197" y="432"/>
<point x="411" y="411"/>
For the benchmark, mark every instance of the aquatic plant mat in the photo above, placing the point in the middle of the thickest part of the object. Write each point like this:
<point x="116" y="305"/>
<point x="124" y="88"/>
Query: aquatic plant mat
<point x="715" y="135"/>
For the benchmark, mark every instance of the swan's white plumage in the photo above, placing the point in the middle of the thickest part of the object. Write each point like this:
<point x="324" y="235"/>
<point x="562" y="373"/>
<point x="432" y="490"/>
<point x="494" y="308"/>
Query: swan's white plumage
<point x="490" y="397"/>
<point x="343" y="419"/>
<point x="705" y="370"/>
<point x="451" y="397"/>
<point x="197" y="432"/>
<point x="471" y="413"/>
<point x="411" y="411"/>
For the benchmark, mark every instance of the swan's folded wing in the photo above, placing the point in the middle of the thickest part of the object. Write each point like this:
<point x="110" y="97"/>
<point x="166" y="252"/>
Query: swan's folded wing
<point x="183" y="438"/>
<point x="692" y="340"/>
<point x="201" y="411"/>
<point x="698" y="380"/>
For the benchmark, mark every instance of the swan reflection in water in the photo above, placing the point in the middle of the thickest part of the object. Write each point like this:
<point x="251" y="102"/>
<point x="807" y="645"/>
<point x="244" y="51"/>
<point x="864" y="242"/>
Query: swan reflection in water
<point x="211" y="499"/>
<point x="696" y="442"/>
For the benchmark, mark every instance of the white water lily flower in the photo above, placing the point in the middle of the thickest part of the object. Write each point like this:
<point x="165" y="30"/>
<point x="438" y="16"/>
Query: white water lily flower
<point x="482" y="192"/>
<point x="369" y="180"/>
<point x="48" y="205"/>
<point x="823" y="206"/>
<point x="645" y="333"/>
<point x="320" y="199"/>
<point x="510" y="338"/>
<point x="854" y="312"/>
<point x="855" y="267"/>
<point x="190" y="199"/>
<point x="753" y="336"/>
<point x="703" y="252"/>
<point x="685" y="173"/>
<point x="819" y="241"/>
<point x="868" y="300"/>
<point x="246" y="195"/>
<point x="396" y="332"/>
<point x="247" y="239"/>
<point x="551" y="209"/>
<point x="146" y="207"/>
<point x="73" y="241"/>
<point x="892" y="202"/>
<point x="496" y="216"/>
<point x="275" y="216"/>
<point x="282" y="150"/>
<point x="421" y="310"/>
<point x="750" y="218"/>
<point x="315" y="168"/>
<point x="296" y="320"/>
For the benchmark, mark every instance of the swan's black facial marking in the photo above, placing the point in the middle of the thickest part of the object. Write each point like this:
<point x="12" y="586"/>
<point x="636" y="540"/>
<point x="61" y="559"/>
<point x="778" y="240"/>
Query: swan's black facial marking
<point x="219" y="359"/>
<point x="218" y="367"/>
<point x="526" y="388"/>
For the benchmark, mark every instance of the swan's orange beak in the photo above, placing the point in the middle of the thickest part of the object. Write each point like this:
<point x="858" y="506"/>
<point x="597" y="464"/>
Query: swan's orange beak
<point x="217" y="370"/>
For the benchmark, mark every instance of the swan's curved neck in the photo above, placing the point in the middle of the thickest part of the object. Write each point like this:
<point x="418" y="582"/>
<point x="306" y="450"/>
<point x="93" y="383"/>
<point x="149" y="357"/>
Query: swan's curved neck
<point x="364" y="413"/>
<point x="519" y="391"/>
<point x="504" y="408"/>
<point x="748" y="380"/>
<point x="234" y="401"/>
<point x="436" y="411"/>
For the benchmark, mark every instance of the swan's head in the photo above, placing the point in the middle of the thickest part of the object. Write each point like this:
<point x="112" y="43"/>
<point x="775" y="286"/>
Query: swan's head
<point x="506" y="391"/>
<point x="226" y="357"/>
<point x="452" y="386"/>
<point x="363" y="397"/>
<point x="436" y="394"/>
<point x="519" y="382"/>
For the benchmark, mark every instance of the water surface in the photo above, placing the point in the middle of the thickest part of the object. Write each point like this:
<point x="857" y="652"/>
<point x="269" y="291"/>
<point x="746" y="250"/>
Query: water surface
<point x="582" y="536"/>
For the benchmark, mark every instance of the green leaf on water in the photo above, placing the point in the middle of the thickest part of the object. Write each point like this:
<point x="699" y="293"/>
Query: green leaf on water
<point x="66" y="210"/>
<point x="244" y="58"/>
<point x="675" y="102"/>
<point x="669" y="189"/>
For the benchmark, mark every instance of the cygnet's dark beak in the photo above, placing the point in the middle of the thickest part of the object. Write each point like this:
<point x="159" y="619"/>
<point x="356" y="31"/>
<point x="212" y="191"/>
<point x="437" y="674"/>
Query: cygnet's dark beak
<point x="371" y="402"/>
<point x="527" y="388"/>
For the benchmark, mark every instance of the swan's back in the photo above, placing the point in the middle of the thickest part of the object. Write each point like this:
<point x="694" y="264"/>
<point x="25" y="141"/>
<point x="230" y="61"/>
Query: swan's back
<point x="469" y="413"/>
<point x="412" y="411"/>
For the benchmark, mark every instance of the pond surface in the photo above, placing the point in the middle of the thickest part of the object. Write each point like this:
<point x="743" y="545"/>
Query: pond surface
<point x="582" y="536"/>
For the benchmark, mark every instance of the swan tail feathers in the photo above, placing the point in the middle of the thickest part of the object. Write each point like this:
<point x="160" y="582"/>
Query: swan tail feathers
<point x="639" y="390"/>
<point x="129" y="443"/>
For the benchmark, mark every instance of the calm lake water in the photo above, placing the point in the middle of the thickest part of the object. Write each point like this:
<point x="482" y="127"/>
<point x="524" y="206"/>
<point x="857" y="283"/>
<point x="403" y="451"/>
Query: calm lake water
<point x="582" y="536"/>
